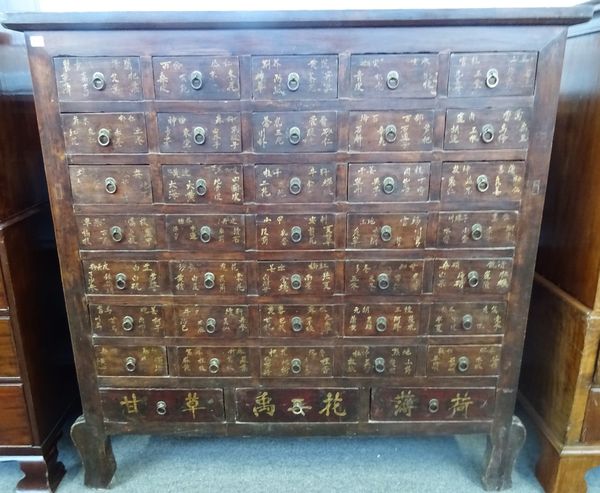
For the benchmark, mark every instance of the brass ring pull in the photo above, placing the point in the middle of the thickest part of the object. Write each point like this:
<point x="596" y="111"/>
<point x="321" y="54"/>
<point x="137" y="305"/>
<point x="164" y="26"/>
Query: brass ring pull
<point x="467" y="322"/>
<point x="196" y="80"/>
<point x="199" y="135"/>
<point x="127" y="323"/>
<point x="293" y="81"/>
<point x="388" y="185"/>
<point x="294" y="135"/>
<point x="205" y="234"/>
<point x="116" y="233"/>
<point x="296" y="324"/>
<point x="379" y="365"/>
<point x="487" y="133"/>
<point x="98" y="81"/>
<point x="296" y="234"/>
<point x="211" y="326"/>
<point x="482" y="183"/>
<point x="381" y="324"/>
<point x="130" y="364"/>
<point x="383" y="281"/>
<point x="392" y="80"/>
<point x="296" y="281"/>
<point x="476" y="232"/>
<point x="209" y="280"/>
<point x="121" y="281"/>
<point x="201" y="187"/>
<point x="491" y="78"/>
<point x="386" y="233"/>
<point x="295" y="185"/>
<point x="214" y="365"/>
<point x="296" y="366"/>
<point x="463" y="364"/>
<point x="391" y="133"/>
<point x="110" y="185"/>
<point x="434" y="406"/>
<point x="473" y="279"/>
<point x="104" y="137"/>
<point x="161" y="408"/>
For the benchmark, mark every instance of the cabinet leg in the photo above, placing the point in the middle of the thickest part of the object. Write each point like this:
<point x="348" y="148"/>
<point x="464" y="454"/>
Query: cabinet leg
<point x="502" y="450"/>
<point x="42" y="472"/>
<point x="95" y="450"/>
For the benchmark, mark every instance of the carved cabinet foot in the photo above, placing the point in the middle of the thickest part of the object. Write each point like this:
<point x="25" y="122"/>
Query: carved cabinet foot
<point x="502" y="450"/>
<point x="42" y="472"/>
<point x="95" y="450"/>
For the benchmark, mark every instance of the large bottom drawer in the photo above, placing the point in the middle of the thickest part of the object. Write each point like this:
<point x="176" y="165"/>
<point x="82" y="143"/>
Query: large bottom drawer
<point x="14" y="419"/>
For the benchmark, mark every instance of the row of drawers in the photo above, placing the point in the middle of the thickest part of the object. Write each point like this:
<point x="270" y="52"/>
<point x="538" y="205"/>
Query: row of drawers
<point x="300" y="361"/>
<point x="300" y="405"/>
<point x="297" y="131"/>
<point x="484" y="184"/>
<point x="295" y="278"/>
<point x="298" y="321"/>
<point x="285" y="77"/>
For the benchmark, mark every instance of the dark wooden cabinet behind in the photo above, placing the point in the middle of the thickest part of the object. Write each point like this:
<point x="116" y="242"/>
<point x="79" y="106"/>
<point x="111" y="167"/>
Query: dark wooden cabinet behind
<point x="299" y="222"/>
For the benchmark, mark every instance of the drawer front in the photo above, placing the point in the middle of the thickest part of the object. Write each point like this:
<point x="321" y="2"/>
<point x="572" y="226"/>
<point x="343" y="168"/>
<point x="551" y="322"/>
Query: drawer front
<point x="14" y="419"/>
<point x="386" y="231"/>
<point x="296" y="278"/>
<point x="196" y="77"/>
<point x="281" y="183"/>
<point x="294" y="77"/>
<point x="3" y="298"/>
<point x="300" y="131"/>
<point x="9" y="366"/>
<point x="286" y="362"/>
<point x="208" y="277"/>
<point x="203" y="184"/>
<point x="399" y="130"/>
<point x="297" y="405"/>
<point x="388" y="182"/>
<point x="467" y="318"/>
<point x="166" y="405"/>
<point x="212" y="362"/>
<point x="411" y="75"/>
<point x="104" y="133"/>
<point x="295" y="232"/>
<point x="379" y="319"/>
<point x="214" y="321"/>
<point x="117" y="232"/>
<point x="199" y="132"/>
<point x="432" y="404"/>
<point x="124" y="277"/>
<point x="506" y="128"/>
<point x="456" y="361"/>
<point x="477" y="229"/>
<point x="472" y="276"/>
<point x="380" y="361"/>
<point x="385" y="277"/>
<point x="492" y="74"/>
<point x="206" y="233"/>
<point x="110" y="184"/>
<point x="98" y="78"/>
<point x="128" y="321"/>
<point x="302" y="321"/>
<point x="482" y="183"/>
<point x="131" y="361"/>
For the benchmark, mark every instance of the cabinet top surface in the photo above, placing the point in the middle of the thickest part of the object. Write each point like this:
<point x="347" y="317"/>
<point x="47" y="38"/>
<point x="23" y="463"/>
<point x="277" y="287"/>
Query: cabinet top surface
<point x="320" y="17"/>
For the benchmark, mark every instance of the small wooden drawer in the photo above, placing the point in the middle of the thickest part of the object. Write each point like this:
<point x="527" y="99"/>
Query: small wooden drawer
<point x="432" y="404"/>
<point x="384" y="278"/>
<point x="477" y="229"/>
<point x="295" y="131"/>
<point x="302" y="321"/>
<point x="116" y="232"/>
<point x="296" y="361"/>
<point x="296" y="278"/>
<point x="214" y="321"/>
<point x="14" y="418"/>
<point x="206" y="233"/>
<point x="295" y="232"/>
<point x="490" y="128"/>
<point x="485" y="183"/>
<point x="128" y="320"/>
<point x="212" y="362"/>
<point x="410" y="75"/>
<point x="281" y="183"/>
<point x="9" y="366"/>
<point x="98" y="78"/>
<point x="196" y="77"/>
<point x="124" y="277"/>
<point x="388" y="182"/>
<point x="297" y="405"/>
<point x="203" y="184"/>
<point x="467" y="318"/>
<point x="208" y="277"/>
<point x="110" y="184"/>
<point x="400" y="130"/>
<point x="199" y="132"/>
<point x="382" y="361"/>
<point x="382" y="319"/>
<point x="492" y="74"/>
<point x="295" y="77"/>
<point x="386" y="231"/>
<point x="104" y="133"/>
<point x="131" y="361"/>
<point x="166" y="405"/>
<point x="472" y="276"/>
<point x="3" y="298"/>
<point x="456" y="361"/>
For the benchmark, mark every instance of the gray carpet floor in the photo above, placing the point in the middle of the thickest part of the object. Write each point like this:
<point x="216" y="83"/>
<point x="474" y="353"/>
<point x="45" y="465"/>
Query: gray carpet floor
<point x="151" y="464"/>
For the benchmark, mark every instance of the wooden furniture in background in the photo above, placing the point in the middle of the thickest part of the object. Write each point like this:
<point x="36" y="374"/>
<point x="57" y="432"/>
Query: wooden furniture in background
<point x="297" y="222"/>
<point x="37" y="375"/>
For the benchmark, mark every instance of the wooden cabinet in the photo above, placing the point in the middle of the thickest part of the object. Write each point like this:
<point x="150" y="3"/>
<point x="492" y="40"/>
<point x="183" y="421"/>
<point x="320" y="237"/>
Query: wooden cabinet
<point x="325" y="231"/>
